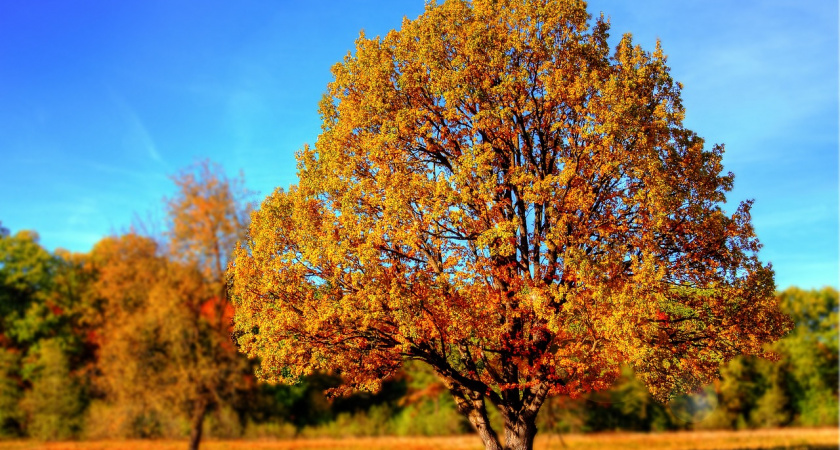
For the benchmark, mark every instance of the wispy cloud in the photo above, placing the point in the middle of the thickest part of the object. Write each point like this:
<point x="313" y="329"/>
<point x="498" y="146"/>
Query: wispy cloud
<point x="139" y="134"/>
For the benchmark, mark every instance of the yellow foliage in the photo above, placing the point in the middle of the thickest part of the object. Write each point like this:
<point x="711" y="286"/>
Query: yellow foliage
<point x="496" y="194"/>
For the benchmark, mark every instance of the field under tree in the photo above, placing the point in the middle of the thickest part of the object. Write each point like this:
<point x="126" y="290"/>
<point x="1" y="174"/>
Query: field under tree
<point x="788" y="438"/>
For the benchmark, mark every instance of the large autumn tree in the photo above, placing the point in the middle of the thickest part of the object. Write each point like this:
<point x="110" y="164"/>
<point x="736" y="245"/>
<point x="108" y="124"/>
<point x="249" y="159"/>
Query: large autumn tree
<point x="498" y="194"/>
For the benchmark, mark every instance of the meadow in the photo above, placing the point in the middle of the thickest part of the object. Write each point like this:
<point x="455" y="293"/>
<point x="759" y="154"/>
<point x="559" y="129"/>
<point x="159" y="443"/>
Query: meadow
<point x="787" y="438"/>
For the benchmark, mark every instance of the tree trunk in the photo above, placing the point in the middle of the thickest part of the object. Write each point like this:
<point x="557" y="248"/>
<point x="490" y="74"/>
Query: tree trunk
<point x="485" y="432"/>
<point x="520" y="421"/>
<point x="472" y="406"/>
<point x="196" y="424"/>
<point x="519" y="434"/>
<point x="519" y="431"/>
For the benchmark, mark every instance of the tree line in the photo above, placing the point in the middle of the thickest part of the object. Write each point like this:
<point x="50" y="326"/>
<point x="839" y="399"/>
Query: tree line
<point x="133" y="340"/>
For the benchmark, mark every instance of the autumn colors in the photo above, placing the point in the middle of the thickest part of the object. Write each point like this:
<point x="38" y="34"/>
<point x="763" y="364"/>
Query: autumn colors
<point x="498" y="197"/>
<point x="504" y="227"/>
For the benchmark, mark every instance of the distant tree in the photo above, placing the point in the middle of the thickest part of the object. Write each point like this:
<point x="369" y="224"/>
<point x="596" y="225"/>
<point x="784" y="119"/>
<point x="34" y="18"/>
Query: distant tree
<point x="738" y="390"/>
<point x="427" y="408"/>
<point x="42" y="340"/>
<point x="26" y="280"/>
<point x="55" y="403"/>
<point x="137" y="375"/>
<point x="810" y="355"/>
<point x="11" y="392"/>
<point x="495" y="195"/>
<point x="208" y="215"/>
<point x="71" y="300"/>
<point x="772" y="407"/>
<point x="169" y="320"/>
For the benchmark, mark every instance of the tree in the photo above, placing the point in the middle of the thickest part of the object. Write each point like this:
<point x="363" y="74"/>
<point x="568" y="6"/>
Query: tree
<point x="139" y="376"/>
<point x="810" y="354"/>
<point x="209" y="214"/>
<point x="26" y="280"/>
<point x="27" y="315"/>
<point x="55" y="403"/>
<point x="42" y="342"/>
<point x="167" y="339"/>
<point x="11" y="417"/>
<point x="496" y="195"/>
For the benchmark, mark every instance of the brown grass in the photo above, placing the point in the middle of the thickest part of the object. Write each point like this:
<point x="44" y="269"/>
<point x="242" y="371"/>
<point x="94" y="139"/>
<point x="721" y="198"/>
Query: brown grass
<point x="798" y="438"/>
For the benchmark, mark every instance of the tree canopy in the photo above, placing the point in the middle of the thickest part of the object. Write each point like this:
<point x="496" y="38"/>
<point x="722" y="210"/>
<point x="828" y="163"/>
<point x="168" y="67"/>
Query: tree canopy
<point x="498" y="194"/>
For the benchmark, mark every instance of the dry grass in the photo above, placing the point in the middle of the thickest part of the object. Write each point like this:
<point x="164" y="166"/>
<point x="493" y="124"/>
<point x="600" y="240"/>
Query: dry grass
<point x="699" y="440"/>
<point x="794" y="438"/>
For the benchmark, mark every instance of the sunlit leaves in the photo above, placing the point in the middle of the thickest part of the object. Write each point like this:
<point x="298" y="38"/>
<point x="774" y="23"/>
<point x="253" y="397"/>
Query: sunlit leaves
<point x="498" y="194"/>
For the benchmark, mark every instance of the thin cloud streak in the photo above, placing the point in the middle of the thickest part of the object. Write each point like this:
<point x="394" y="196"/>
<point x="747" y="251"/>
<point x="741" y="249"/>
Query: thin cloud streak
<point x="137" y="129"/>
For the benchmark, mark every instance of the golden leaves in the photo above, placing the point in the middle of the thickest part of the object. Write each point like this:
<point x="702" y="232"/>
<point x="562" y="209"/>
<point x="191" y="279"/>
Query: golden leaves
<point x="491" y="188"/>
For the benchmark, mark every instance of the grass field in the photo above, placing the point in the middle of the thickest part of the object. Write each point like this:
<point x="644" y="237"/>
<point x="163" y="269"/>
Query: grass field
<point x="790" y="438"/>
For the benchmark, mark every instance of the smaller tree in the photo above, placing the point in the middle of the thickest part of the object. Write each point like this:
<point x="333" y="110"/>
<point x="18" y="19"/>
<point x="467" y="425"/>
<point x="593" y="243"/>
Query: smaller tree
<point x="810" y="354"/>
<point x="772" y="408"/>
<point x="11" y="392"/>
<point x="134" y="366"/>
<point x="167" y="340"/>
<point x="26" y="280"/>
<point x="207" y="216"/>
<point x="54" y="405"/>
<point x="26" y="272"/>
<point x="40" y="340"/>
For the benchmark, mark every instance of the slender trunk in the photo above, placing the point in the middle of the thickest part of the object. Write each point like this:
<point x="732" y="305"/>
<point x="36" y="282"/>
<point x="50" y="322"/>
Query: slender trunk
<point x="196" y="424"/>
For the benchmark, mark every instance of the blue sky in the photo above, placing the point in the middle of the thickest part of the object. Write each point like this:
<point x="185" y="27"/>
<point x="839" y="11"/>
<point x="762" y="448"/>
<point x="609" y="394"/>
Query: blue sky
<point x="101" y="101"/>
